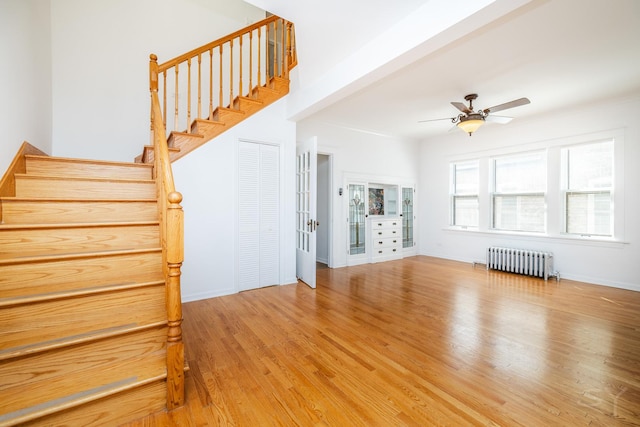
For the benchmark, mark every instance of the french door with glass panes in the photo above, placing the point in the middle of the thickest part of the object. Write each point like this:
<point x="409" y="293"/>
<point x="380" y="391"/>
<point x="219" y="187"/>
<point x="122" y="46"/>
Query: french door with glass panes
<point x="357" y="225"/>
<point x="408" y="218"/>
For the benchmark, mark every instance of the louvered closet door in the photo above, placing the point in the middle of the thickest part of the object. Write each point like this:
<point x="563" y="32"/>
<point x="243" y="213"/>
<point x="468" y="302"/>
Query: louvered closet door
<point x="258" y="215"/>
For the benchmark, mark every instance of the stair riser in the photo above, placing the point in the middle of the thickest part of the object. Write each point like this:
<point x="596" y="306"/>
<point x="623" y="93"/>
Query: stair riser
<point x="228" y="116"/>
<point x="112" y="410"/>
<point x="27" y="242"/>
<point x="49" y="323"/>
<point x="53" y="166"/>
<point x="279" y="84"/>
<point x="178" y="139"/>
<point x="63" y="211"/>
<point x="207" y="128"/>
<point x="56" y="276"/>
<point x="266" y="95"/>
<point x="148" y="155"/>
<point x="56" y="375"/>
<point x="28" y="186"/>
<point x="247" y="105"/>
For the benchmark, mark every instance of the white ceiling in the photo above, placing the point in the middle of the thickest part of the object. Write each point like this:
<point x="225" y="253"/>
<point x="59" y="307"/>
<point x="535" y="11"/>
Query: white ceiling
<point x="558" y="53"/>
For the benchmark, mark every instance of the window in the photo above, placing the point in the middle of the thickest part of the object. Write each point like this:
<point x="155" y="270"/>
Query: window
<point x="464" y="194"/>
<point x="518" y="198"/>
<point x="588" y="170"/>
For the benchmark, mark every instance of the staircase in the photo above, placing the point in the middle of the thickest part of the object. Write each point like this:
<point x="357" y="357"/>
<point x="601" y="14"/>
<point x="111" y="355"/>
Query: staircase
<point x="82" y="294"/>
<point x="223" y="118"/>
<point x="218" y="85"/>
<point x="91" y="251"/>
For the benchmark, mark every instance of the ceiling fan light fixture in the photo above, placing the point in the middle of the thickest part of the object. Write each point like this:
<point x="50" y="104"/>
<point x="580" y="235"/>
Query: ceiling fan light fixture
<point x="471" y="123"/>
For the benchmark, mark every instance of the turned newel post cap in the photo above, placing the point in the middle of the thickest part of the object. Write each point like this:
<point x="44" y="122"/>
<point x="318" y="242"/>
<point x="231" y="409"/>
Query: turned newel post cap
<point x="153" y="57"/>
<point x="174" y="197"/>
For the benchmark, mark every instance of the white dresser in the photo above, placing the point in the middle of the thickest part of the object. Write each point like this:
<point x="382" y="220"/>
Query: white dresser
<point x="386" y="239"/>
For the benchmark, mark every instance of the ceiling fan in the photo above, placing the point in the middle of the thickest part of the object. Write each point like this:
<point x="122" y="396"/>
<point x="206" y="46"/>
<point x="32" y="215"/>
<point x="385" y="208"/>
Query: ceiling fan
<point x="469" y="120"/>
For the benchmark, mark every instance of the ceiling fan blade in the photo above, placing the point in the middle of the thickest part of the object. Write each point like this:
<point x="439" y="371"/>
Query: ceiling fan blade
<point x="506" y="105"/>
<point x="460" y="106"/>
<point x="498" y="119"/>
<point x="435" y="120"/>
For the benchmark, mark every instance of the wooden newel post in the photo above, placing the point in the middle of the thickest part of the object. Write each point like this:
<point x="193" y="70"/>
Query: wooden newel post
<point x="153" y="73"/>
<point x="153" y="85"/>
<point x="175" y="257"/>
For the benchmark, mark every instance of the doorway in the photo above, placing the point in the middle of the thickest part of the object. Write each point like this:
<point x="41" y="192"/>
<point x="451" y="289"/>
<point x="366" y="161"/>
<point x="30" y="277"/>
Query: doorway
<point x="324" y="205"/>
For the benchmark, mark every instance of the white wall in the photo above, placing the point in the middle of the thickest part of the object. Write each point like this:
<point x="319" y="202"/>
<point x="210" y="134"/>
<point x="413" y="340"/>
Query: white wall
<point x="607" y="263"/>
<point x="207" y="179"/>
<point x="100" y="65"/>
<point x="25" y="77"/>
<point x="364" y="154"/>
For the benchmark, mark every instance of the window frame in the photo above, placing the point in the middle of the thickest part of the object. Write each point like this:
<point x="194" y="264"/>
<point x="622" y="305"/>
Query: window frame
<point x="566" y="191"/>
<point x="454" y="195"/>
<point x="493" y="193"/>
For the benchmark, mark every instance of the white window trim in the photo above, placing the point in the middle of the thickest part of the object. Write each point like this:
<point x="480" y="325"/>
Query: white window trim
<point x="493" y="192"/>
<point x="453" y="195"/>
<point x="554" y="194"/>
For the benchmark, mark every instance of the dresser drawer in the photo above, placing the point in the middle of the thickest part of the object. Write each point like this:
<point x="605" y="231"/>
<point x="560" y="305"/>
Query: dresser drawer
<point x="385" y="252"/>
<point x="385" y="233"/>
<point x="382" y="224"/>
<point x="387" y="242"/>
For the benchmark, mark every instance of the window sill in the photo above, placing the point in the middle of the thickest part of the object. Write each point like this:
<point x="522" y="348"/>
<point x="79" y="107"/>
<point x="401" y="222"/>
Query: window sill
<point x="560" y="238"/>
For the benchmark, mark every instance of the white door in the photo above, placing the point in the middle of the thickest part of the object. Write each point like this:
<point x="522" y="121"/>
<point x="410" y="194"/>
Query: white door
<point x="258" y="215"/>
<point x="306" y="219"/>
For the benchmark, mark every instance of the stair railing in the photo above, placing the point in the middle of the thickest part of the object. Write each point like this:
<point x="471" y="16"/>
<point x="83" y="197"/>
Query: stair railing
<point x="216" y="74"/>
<point x="172" y="241"/>
<point x="258" y="53"/>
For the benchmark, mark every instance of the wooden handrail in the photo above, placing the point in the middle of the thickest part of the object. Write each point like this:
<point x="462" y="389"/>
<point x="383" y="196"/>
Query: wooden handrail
<point x="222" y="40"/>
<point x="172" y="242"/>
<point x="257" y="53"/>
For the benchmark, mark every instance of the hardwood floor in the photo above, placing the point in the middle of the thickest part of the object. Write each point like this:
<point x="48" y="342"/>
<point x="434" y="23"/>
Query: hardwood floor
<point x="418" y="342"/>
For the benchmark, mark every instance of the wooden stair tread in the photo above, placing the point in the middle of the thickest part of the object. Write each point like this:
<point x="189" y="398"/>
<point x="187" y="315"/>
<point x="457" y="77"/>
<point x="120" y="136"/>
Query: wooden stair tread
<point x="75" y="178"/>
<point x="81" y="398"/>
<point x="72" y="199"/>
<point x="83" y="338"/>
<point x="248" y="99"/>
<point x="75" y="255"/>
<point x="229" y="110"/>
<point x="71" y="293"/>
<point x="76" y="225"/>
<point x="88" y="161"/>
<point x="185" y="133"/>
<point x="48" y="275"/>
<point x="83" y="372"/>
<point x="209" y="121"/>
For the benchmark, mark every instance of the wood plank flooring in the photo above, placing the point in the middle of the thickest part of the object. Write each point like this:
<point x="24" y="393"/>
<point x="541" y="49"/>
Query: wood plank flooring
<point x="416" y="342"/>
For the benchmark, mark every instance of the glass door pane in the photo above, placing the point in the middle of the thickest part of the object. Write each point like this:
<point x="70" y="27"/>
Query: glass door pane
<point x="407" y="217"/>
<point x="357" y="206"/>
